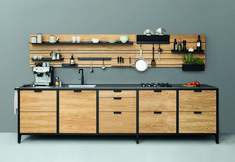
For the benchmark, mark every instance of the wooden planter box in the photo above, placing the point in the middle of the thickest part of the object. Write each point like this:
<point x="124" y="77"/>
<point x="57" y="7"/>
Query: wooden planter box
<point x="193" y="67"/>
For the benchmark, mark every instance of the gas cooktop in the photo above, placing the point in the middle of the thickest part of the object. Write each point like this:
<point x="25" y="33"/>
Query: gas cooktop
<point x="149" y="85"/>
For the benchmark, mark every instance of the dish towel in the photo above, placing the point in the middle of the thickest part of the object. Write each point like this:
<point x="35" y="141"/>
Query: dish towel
<point x="16" y="102"/>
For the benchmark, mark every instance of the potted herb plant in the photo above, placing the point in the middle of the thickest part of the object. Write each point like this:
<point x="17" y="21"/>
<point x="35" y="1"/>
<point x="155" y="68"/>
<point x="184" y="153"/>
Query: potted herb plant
<point x="191" y="64"/>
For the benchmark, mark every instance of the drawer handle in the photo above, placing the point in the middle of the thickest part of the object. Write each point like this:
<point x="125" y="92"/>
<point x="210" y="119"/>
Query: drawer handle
<point x="117" y="98"/>
<point x="157" y="112"/>
<point x="197" y="90"/>
<point x="197" y="112"/>
<point x="157" y="90"/>
<point x="37" y="90"/>
<point x="117" y="112"/>
<point x="117" y="90"/>
<point x="77" y="90"/>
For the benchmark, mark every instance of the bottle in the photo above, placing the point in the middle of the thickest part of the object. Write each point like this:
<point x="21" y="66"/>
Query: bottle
<point x="199" y="43"/>
<point x="57" y="81"/>
<point x="184" y="46"/>
<point x="72" y="60"/>
<point x="175" y="45"/>
<point x="179" y="45"/>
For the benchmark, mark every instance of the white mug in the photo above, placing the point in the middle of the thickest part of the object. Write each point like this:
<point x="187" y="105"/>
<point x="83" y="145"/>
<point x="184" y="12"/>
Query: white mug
<point x="78" y="39"/>
<point x="74" y="39"/>
<point x="53" y="39"/>
<point x="35" y="57"/>
<point x="34" y="39"/>
<point x="39" y="38"/>
<point x="40" y="57"/>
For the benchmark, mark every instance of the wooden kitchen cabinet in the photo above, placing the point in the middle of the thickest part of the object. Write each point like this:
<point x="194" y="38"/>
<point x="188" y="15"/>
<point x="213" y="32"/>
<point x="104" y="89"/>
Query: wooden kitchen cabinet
<point x="190" y="100"/>
<point x="117" y="122"/>
<point x="164" y="100"/>
<point x="38" y="111"/>
<point x="157" y="122"/>
<point x="37" y="122"/>
<point x="77" y="111"/>
<point x="38" y="101"/>
<point x="117" y="104"/>
<point x="117" y="111"/>
<point x="157" y="111"/>
<point x="197" y="111"/>
<point x="197" y="122"/>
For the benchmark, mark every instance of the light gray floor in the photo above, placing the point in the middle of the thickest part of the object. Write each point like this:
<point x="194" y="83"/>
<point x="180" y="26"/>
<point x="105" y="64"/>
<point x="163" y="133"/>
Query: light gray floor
<point x="71" y="149"/>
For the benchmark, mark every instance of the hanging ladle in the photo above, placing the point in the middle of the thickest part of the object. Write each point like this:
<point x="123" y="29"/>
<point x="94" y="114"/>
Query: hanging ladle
<point x="91" y="70"/>
<point x="159" y="52"/>
<point x="153" y="62"/>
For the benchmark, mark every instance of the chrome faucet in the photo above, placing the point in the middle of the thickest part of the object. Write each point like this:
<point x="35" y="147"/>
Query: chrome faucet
<point x="82" y="76"/>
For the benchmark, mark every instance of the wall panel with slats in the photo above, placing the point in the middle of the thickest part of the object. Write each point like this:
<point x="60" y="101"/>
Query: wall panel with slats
<point x="130" y="52"/>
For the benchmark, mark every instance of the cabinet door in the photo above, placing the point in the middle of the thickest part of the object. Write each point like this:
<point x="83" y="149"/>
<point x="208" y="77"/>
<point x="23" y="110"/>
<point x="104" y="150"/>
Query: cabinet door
<point x="117" y="122"/>
<point x="195" y="122"/>
<point x="157" y="122"/>
<point x="38" y="101"/>
<point x="37" y="122"/>
<point x="197" y="101"/>
<point x="77" y="111"/>
<point x="157" y="101"/>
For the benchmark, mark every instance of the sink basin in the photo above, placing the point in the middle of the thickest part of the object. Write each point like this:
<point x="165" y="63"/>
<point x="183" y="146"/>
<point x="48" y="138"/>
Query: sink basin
<point x="81" y="86"/>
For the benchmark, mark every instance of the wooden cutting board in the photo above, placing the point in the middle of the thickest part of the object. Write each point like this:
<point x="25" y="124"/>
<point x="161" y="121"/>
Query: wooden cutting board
<point x="189" y="85"/>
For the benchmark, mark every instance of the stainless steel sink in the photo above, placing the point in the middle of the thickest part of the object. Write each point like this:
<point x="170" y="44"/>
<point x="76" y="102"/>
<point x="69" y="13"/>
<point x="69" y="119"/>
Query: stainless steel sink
<point x="81" y="86"/>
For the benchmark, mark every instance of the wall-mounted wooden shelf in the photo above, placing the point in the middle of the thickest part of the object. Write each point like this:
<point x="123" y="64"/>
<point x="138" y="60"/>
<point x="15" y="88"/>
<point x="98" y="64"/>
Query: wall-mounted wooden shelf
<point x="68" y="65"/>
<point x="181" y="52"/>
<point x="47" y="59"/>
<point x="87" y="53"/>
<point x="84" y="42"/>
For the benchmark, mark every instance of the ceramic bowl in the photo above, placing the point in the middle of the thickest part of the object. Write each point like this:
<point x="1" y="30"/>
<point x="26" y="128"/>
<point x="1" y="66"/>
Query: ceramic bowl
<point x="124" y="39"/>
<point x="112" y="41"/>
<point x="95" y="40"/>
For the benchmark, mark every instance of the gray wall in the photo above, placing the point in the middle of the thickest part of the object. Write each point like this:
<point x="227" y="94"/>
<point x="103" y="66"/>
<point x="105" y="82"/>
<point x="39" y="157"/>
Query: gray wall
<point x="19" y="19"/>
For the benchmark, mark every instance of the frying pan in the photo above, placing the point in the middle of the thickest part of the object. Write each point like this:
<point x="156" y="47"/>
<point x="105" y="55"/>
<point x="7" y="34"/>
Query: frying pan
<point x="141" y="64"/>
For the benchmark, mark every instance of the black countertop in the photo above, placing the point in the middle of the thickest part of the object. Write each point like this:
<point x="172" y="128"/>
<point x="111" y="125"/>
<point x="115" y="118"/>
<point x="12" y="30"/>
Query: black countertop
<point x="119" y="86"/>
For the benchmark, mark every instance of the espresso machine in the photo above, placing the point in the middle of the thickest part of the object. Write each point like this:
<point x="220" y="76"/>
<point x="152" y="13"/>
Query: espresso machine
<point x="43" y="76"/>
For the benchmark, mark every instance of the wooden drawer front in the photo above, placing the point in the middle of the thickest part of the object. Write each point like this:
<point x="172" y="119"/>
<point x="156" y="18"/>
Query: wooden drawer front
<point x="123" y="104"/>
<point x="77" y="112"/>
<point x="149" y="122"/>
<point x="38" y="101"/>
<point x="197" y="101"/>
<point x="123" y="93"/>
<point x="117" y="123"/>
<point x="157" y="101"/>
<point x="197" y="123"/>
<point x="37" y="122"/>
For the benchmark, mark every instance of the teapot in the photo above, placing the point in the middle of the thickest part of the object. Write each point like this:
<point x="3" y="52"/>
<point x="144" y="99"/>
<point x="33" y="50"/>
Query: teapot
<point x="53" y="39"/>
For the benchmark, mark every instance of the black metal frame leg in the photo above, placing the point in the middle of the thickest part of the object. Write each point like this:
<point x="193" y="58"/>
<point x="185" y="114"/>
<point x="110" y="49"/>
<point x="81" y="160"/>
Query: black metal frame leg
<point x="137" y="139"/>
<point x="217" y="139"/>
<point x="19" y="138"/>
